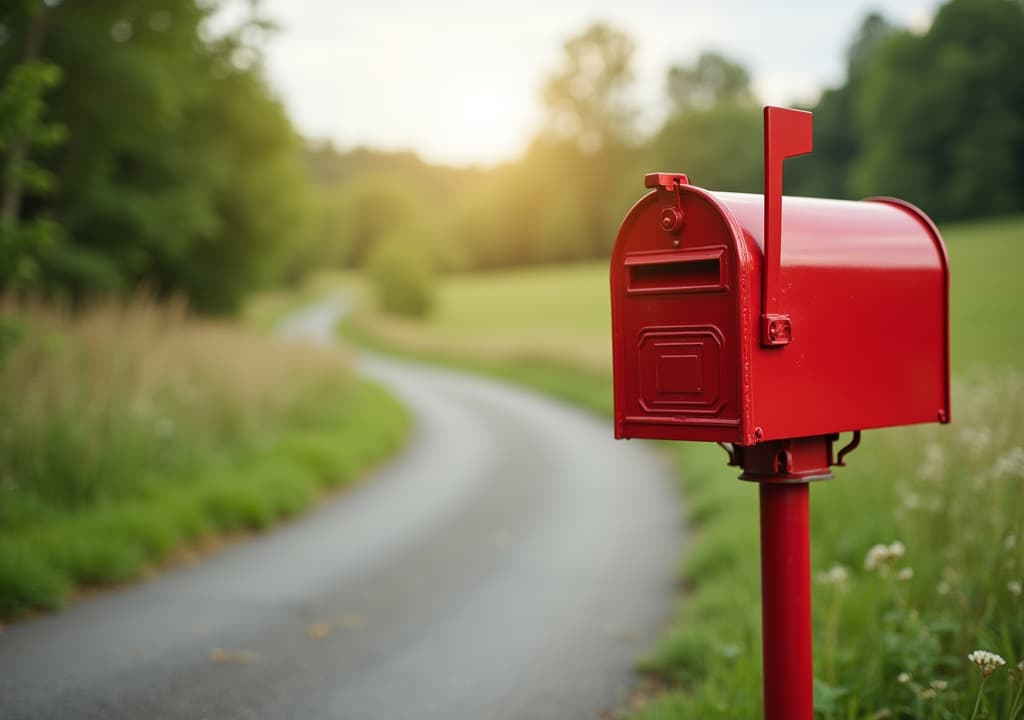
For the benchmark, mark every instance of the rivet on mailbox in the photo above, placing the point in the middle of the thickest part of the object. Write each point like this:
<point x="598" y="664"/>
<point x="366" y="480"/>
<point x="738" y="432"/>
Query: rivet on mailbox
<point x="770" y="325"/>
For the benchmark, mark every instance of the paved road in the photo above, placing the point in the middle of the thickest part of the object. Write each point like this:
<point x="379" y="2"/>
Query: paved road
<point x="511" y="563"/>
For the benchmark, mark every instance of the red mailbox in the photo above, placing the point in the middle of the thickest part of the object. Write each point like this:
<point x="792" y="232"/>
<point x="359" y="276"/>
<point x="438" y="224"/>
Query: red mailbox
<point x="770" y="325"/>
<point x="845" y="329"/>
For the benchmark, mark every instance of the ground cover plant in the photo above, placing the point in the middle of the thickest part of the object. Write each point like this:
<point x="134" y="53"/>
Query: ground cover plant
<point x="917" y="545"/>
<point x="132" y="430"/>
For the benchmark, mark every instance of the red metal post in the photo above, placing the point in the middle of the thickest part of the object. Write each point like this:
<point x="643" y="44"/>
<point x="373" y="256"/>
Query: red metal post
<point x="786" y="601"/>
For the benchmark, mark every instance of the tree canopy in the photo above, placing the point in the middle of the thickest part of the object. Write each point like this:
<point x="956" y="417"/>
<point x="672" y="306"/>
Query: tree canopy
<point x="176" y="167"/>
<point x="586" y="98"/>
<point x="142" y="148"/>
<point x="941" y="115"/>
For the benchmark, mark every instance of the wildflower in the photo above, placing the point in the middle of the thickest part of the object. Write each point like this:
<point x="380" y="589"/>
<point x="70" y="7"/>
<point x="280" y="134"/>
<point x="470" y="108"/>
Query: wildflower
<point x="880" y="557"/>
<point x="1011" y="464"/>
<point x="977" y="439"/>
<point x="1014" y="587"/>
<point x="836" y="575"/>
<point x="905" y="573"/>
<point x="934" y="463"/>
<point x="912" y="501"/>
<point x="877" y="555"/>
<point x="927" y="694"/>
<point x="938" y="684"/>
<point x="1010" y="541"/>
<point x="903" y="678"/>
<point x="943" y="587"/>
<point x="987" y="662"/>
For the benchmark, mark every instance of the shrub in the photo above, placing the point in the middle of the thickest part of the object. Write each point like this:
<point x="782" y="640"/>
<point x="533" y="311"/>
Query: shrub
<point x="402" y="277"/>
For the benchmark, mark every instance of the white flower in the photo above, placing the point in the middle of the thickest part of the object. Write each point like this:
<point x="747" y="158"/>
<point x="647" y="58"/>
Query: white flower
<point x="903" y="678"/>
<point x="976" y="438"/>
<point x="1011" y="464"/>
<point x="1015" y="588"/>
<point x="939" y="684"/>
<point x="1010" y="541"/>
<point x="880" y="557"/>
<point x="836" y="575"/>
<point x="928" y="694"/>
<point x="905" y="573"/>
<point x="987" y="662"/>
<point x="911" y="501"/>
<point x="943" y="587"/>
<point x="876" y="557"/>
<point x="934" y="464"/>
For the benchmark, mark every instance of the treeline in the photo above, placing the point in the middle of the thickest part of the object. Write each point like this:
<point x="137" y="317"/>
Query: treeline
<point x="140" y="147"/>
<point x="934" y="117"/>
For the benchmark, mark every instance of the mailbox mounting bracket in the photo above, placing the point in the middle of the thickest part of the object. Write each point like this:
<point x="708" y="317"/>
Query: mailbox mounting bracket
<point x="787" y="133"/>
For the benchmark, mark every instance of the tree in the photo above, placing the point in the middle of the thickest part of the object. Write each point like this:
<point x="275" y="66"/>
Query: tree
<point x="942" y="114"/>
<point x="837" y="137"/>
<point x="712" y="81"/>
<point x="586" y="98"/>
<point x="714" y="131"/>
<point x="179" y="171"/>
<point x="24" y="130"/>
<point x="375" y="207"/>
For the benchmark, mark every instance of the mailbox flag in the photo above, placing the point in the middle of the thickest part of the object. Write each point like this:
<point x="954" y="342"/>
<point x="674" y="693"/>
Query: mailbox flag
<point x="786" y="133"/>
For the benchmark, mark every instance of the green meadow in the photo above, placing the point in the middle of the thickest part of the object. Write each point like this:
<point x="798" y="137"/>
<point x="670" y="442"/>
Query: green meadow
<point x="917" y="545"/>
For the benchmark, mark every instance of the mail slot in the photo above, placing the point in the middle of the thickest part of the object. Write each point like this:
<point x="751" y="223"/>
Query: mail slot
<point x="841" y="326"/>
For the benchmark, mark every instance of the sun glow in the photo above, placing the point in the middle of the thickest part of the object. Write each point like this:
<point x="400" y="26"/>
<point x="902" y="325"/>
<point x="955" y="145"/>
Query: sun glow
<point x="485" y="123"/>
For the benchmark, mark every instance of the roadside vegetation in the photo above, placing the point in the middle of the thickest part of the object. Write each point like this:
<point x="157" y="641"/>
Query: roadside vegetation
<point x="134" y="432"/>
<point x="917" y="545"/>
<point x="130" y="430"/>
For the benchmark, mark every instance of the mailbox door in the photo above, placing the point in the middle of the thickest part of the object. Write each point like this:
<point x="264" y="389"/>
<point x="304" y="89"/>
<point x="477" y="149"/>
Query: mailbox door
<point x="675" y="323"/>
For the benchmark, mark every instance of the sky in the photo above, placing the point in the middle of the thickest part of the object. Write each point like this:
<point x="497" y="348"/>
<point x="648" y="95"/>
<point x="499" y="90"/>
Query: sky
<point x="459" y="82"/>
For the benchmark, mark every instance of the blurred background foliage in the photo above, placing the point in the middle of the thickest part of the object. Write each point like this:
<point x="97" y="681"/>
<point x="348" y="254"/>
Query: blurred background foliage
<point x="141" y="148"/>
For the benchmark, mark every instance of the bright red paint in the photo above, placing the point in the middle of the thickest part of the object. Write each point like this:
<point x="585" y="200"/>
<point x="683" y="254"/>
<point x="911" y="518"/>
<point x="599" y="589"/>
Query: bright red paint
<point x="865" y="285"/>
<point x="787" y="133"/>
<point x="836" y="319"/>
<point x="786" y="602"/>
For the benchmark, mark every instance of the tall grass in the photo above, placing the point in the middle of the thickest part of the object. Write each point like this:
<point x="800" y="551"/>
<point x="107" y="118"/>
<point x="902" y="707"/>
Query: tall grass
<point x="128" y="429"/>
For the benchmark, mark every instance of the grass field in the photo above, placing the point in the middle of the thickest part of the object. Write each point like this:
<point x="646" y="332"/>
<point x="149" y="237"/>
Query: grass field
<point x="133" y="431"/>
<point x="947" y="503"/>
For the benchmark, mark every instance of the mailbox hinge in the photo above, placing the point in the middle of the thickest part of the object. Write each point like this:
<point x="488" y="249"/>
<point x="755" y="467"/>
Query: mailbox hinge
<point x="776" y="329"/>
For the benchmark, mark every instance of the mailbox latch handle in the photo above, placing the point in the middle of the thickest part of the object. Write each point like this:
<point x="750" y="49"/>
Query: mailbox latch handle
<point x="665" y="180"/>
<point x="671" y="217"/>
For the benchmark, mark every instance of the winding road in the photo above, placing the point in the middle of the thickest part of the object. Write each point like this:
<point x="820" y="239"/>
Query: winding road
<point x="511" y="563"/>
